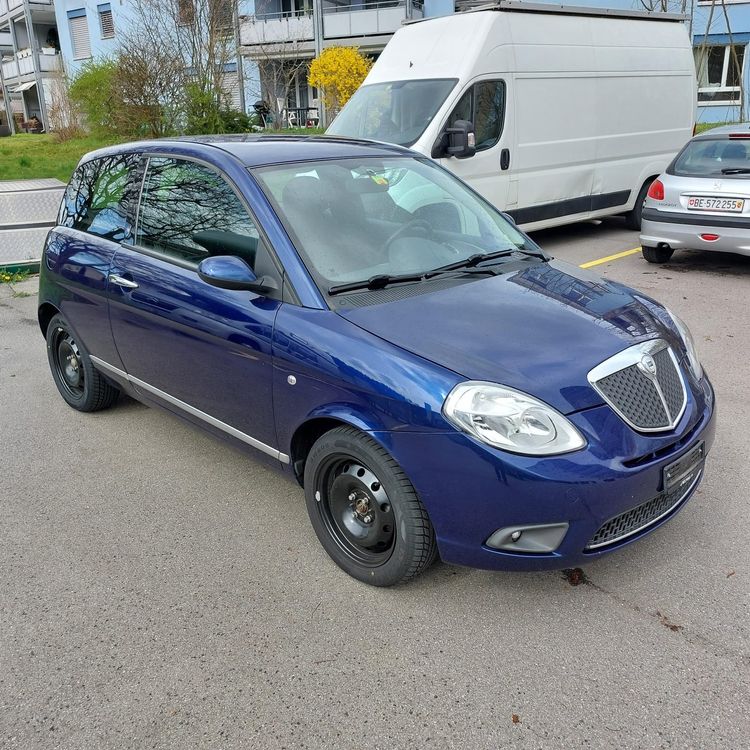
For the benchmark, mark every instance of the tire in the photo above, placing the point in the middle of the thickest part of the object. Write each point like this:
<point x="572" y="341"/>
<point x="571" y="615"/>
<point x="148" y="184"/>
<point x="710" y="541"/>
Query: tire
<point x="633" y="217"/>
<point x="657" y="254"/>
<point x="79" y="383"/>
<point x="365" y="511"/>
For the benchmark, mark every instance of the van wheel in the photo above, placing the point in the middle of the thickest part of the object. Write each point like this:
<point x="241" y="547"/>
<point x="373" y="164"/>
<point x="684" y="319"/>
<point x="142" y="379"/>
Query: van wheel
<point x="657" y="254"/>
<point x="633" y="217"/>
<point x="365" y="511"/>
<point x="79" y="383"/>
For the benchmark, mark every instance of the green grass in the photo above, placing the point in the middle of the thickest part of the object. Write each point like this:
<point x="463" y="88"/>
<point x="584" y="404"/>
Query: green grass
<point x="702" y="127"/>
<point x="26" y="156"/>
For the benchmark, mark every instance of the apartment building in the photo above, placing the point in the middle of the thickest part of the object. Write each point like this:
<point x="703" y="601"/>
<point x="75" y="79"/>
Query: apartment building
<point x="30" y="62"/>
<point x="720" y="43"/>
<point x="282" y="36"/>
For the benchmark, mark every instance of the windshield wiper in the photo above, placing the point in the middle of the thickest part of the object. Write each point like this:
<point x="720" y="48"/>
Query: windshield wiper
<point x="736" y="170"/>
<point x="383" y="280"/>
<point x="474" y="260"/>
<point x="375" y="282"/>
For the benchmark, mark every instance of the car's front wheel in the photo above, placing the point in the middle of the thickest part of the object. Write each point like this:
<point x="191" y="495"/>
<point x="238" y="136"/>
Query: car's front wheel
<point x="657" y="254"/>
<point x="78" y="381"/>
<point x="365" y="511"/>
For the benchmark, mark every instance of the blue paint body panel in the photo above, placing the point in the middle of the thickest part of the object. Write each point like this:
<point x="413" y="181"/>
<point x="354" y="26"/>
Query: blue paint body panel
<point x="386" y="368"/>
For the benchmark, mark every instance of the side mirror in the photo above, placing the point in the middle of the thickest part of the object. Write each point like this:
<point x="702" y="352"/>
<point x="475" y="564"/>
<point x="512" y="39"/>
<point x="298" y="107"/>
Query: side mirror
<point x="230" y="272"/>
<point x="462" y="142"/>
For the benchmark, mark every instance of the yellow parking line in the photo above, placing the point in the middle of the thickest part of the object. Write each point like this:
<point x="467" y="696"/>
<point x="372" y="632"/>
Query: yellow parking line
<point x="616" y="256"/>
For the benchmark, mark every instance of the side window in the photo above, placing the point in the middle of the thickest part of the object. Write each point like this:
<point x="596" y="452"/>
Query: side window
<point x="484" y="105"/>
<point x="190" y="212"/>
<point x="101" y="197"/>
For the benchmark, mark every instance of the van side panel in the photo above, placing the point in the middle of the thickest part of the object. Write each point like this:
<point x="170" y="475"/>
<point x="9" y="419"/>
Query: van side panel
<point x="596" y="104"/>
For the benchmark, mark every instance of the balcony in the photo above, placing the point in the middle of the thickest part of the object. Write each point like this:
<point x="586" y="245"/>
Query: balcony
<point x="366" y="18"/>
<point x="10" y="68"/>
<point x="49" y="62"/>
<point x="275" y="28"/>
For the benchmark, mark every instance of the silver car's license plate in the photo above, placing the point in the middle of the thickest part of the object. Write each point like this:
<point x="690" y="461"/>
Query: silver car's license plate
<point x="704" y="203"/>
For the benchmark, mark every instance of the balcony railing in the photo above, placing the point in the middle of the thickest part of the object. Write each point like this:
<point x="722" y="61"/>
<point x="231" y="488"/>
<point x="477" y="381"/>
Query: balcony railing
<point x="10" y="69"/>
<point x="270" y="28"/>
<point x="367" y="18"/>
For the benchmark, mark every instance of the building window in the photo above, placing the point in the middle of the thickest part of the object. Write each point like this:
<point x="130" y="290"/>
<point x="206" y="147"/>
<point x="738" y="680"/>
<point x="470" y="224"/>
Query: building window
<point x="185" y="12"/>
<point x="106" y="22"/>
<point x="79" y="34"/>
<point x="719" y="70"/>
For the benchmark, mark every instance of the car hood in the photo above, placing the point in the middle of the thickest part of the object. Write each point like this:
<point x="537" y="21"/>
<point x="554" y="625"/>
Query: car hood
<point x="539" y="329"/>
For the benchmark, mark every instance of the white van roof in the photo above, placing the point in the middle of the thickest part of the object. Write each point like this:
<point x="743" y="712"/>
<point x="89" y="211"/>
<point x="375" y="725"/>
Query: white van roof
<point x="462" y="45"/>
<point x="521" y="6"/>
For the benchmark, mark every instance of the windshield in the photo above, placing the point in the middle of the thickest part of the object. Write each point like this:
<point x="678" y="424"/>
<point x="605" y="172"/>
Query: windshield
<point x="712" y="158"/>
<point x="353" y="219"/>
<point x="395" y="112"/>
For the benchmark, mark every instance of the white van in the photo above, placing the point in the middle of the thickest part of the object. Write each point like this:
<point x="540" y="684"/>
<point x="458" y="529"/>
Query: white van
<point x="574" y="111"/>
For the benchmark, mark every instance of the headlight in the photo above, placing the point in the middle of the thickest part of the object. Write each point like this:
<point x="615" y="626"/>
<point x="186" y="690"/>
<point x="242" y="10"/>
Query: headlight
<point x="511" y="420"/>
<point x="687" y="340"/>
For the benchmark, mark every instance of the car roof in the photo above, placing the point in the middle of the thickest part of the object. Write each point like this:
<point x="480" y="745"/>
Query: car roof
<point x="261" y="150"/>
<point x="741" y="128"/>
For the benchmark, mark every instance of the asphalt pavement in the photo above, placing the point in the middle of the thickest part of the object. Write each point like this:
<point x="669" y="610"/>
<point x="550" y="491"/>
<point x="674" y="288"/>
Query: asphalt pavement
<point x="159" y="589"/>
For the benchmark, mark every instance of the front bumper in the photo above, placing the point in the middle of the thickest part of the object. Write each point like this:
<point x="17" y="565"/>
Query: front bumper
<point x="470" y="490"/>
<point x="681" y="232"/>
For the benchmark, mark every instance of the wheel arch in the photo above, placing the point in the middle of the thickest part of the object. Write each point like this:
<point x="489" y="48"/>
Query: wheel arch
<point x="314" y="427"/>
<point x="45" y="313"/>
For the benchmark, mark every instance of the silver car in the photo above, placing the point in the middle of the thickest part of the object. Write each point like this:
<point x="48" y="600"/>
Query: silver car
<point x="702" y="201"/>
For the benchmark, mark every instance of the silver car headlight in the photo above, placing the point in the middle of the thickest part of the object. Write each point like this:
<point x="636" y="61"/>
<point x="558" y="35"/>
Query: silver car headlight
<point x="687" y="340"/>
<point x="510" y="420"/>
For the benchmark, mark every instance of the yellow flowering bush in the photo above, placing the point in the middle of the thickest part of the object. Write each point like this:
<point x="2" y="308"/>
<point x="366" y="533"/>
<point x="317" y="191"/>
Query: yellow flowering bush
<point x="338" y="72"/>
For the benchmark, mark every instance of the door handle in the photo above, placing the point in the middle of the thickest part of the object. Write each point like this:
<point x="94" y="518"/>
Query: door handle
<point x="120" y="281"/>
<point x="504" y="159"/>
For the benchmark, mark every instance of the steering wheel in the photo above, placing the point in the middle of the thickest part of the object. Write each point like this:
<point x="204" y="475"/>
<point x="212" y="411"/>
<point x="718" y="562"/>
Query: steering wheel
<point x="408" y="227"/>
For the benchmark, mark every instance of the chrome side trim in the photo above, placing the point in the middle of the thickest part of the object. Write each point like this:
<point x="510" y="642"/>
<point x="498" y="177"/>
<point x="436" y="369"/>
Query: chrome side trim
<point x="632" y="356"/>
<point x="223" y="426"/>
<point x="653" y="520"/>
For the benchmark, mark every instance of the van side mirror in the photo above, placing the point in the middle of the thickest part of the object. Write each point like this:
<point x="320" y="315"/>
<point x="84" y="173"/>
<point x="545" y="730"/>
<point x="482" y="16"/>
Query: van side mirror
<point x="462" y="142"/>
<point x="230" y="272"/>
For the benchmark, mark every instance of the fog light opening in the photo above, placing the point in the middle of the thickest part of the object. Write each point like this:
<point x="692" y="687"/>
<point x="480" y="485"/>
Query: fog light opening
<point x="532" y="539"/>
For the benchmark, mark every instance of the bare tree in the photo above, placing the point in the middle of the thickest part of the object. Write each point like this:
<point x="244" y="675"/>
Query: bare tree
<point x="173" y="48"/>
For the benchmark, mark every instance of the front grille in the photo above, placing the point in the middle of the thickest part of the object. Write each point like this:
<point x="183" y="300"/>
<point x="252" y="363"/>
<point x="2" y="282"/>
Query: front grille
<point x="649" y="398"/>
<point x="632" y="394"/>
<point x="640" y="518"/>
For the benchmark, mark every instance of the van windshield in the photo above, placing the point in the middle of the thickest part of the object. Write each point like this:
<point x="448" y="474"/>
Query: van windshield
<point x="395" y="112"/>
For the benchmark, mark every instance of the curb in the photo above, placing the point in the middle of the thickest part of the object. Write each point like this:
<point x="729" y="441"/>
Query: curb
<point x="19" y="266"/>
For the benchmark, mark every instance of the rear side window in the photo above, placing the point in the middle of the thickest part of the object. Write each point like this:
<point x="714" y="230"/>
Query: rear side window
<point x="483" y="105"/>
<point x="190" y="212"/>
<point x="101" y="197"/>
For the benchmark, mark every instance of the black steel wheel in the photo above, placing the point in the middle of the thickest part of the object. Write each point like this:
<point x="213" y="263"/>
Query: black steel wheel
<point x="657" y="254"/>
<point x="365" y="511"/>
<point x="79" y="383"/>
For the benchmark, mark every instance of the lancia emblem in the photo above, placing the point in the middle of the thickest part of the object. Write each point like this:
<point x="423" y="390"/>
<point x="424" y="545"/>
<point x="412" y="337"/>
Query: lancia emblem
<point x="647" y="365"/>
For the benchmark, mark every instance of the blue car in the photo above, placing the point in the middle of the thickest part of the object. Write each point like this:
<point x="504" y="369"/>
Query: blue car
<point x="361" y="318"/>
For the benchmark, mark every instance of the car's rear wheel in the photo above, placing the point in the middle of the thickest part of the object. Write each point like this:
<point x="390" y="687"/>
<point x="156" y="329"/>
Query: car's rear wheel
<point x="657" y="254"/>
<point x="78" y="381"/>
<point x="365" y="511"/>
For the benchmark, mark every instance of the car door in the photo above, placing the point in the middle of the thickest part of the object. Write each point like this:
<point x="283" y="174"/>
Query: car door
<point x="96" y="215"/>
<point x="201" y="351"/>
<point x="488" y="171"/>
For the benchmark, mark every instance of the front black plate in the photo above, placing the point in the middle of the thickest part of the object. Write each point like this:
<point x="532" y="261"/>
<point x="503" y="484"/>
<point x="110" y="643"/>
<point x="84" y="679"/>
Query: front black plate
<point x="683" y="471"/>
